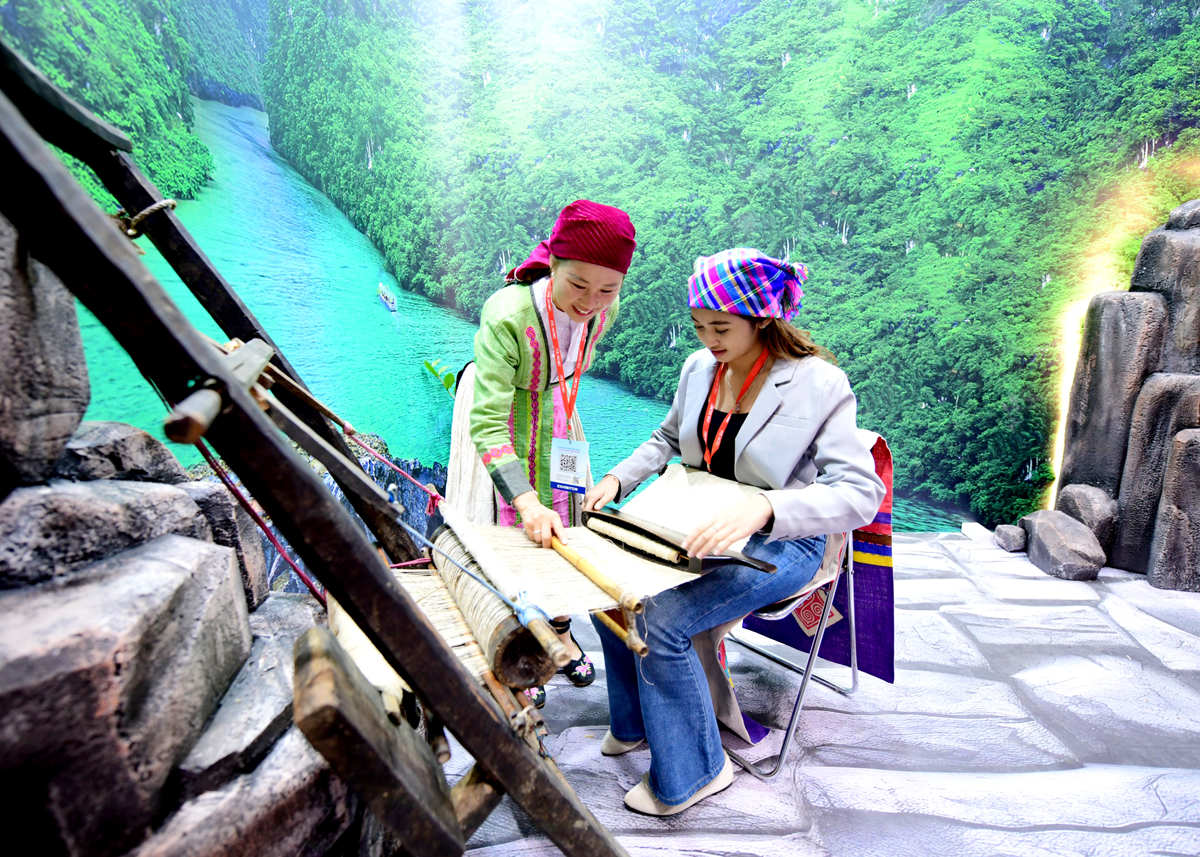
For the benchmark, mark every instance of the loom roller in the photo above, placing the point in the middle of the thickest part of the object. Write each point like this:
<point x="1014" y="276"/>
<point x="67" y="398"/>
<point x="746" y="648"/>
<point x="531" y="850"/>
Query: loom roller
<point x="496" y="570"/>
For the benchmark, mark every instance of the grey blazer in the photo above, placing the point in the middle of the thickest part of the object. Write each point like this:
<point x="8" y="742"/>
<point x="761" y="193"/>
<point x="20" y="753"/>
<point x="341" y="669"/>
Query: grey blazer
<point x="799" y="442"/>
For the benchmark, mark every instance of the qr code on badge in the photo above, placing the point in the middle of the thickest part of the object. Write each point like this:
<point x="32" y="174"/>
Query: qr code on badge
<point x="568" y="463"/>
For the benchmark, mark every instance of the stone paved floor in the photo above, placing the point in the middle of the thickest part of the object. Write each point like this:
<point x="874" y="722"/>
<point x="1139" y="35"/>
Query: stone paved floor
<point x="1030" y="716"/>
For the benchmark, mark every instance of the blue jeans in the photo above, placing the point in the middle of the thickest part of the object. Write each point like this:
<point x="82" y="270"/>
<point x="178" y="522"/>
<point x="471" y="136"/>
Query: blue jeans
<point x="665" y="698"/>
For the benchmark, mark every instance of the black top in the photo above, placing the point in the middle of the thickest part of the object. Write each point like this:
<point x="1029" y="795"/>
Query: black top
<point x="722" y="460"/>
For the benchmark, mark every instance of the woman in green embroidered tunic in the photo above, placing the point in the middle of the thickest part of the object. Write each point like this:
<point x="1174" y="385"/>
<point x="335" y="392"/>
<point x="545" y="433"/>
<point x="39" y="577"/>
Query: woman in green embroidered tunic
<point x="543" y="328"/>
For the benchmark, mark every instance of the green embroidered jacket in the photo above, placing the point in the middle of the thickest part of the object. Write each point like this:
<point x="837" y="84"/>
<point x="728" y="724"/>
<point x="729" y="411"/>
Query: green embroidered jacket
<point x="512" y="419"/>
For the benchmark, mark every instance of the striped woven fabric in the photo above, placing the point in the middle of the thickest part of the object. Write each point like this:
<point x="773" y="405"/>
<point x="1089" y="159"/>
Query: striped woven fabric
<point x="743" y="281"/>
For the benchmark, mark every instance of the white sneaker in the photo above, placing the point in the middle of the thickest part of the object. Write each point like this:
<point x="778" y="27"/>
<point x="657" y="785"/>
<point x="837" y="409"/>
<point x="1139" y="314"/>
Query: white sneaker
<point x="611" y="746"/>
<point x="641" y="799"/>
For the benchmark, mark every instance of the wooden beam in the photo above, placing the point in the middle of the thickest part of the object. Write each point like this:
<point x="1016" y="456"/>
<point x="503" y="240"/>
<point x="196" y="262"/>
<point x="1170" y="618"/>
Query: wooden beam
<point x="59" y="119"/>
<point x="135" y="192"/>
<point x="474" y="797"/>
<point x="166" y="231"/>
<point x="75" y="130"/>
<point x="65" y="229"/>
<point x="388" y="765"/>
<point x="345" y="470"/>
<point x="192" y="417"/>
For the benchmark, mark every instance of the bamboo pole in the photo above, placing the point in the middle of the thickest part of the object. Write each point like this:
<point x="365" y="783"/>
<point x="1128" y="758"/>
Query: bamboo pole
<point x="596" y="576"/>
<point x="628" y="635"/>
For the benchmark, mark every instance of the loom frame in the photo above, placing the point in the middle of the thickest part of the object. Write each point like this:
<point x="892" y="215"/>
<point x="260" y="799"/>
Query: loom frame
<point x="63" y="228"/>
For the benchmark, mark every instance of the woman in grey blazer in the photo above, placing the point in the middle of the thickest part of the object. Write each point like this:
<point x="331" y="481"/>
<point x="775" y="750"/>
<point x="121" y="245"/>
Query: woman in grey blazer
<point x="762" y="404"/>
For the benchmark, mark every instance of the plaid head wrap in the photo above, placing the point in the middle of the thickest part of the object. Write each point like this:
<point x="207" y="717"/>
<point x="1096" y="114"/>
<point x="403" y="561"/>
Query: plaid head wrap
<point x="746" y="282"/>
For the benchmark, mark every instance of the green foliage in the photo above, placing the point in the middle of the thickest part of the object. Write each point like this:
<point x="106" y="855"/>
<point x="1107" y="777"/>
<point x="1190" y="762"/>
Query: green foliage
<point x="938" y="166"/>
<point x="448" y="380"/>
<point x="125" y="61"/>
<point x="229" y="42"/>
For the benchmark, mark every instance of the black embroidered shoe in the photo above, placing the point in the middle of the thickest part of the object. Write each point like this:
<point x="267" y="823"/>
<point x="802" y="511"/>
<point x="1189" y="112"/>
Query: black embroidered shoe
<point x="580" y="672"/>
<point x="537" y="695"/>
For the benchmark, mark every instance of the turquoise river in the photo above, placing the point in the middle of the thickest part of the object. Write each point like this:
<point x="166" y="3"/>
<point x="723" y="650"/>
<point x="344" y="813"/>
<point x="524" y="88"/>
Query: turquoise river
<point x="311" y="279"/>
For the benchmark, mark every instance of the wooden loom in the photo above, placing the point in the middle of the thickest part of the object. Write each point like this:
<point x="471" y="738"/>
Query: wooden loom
<point x="614" y="562"/>
<point x="594" y="573"/>
<point x="395" y="772"/>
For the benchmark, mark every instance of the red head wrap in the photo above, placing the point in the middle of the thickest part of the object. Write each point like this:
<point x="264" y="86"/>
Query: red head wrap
<point x="587" y="232"/>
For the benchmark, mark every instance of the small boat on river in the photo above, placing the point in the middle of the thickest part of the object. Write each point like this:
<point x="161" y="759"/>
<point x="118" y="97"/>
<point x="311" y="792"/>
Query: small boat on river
<point x="388" y="299"/>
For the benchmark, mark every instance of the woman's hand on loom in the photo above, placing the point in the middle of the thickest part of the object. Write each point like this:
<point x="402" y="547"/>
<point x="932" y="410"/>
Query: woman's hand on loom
<point x="541" y="524"/>
<point x="721" y="529"/>
<point x="601" y="494"/>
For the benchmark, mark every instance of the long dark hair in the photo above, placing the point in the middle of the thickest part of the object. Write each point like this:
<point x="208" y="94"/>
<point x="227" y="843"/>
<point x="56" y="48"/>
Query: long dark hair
<point x="789" y="343"/>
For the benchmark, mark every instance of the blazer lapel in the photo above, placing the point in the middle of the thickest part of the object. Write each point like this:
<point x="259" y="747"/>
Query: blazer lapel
<point x="768" y="401"/>
<point x="695" y="398"/>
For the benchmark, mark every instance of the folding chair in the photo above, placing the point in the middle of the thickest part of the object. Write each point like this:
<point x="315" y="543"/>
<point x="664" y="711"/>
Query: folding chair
<point x="870" y="559"/>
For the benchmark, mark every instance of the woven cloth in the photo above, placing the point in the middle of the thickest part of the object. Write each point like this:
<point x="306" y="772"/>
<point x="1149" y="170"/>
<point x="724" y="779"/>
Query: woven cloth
<point x="743" y="281"/>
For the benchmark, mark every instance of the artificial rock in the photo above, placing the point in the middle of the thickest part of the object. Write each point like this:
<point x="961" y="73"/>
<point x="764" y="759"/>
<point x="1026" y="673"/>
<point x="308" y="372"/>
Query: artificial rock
<point x="1169" y="264"/>
<point x="1168" y="404"/>
<point x="44" y="388"/>
<point x="1186" y="216"/>
<point x="233" y="527"/>
<point x="1010" y="538"/>
<point x="106" y="681"/>
<point x="48" y="531"/>
<point x="291" y="805"/>
<point x="1122" y="343"/>
<point x="110" y="450"/>
<point x="1061" y="546"/>
<point x="257" y="708"/>
<point x="1092" y="507"/>
<point x="1175" y="551"/>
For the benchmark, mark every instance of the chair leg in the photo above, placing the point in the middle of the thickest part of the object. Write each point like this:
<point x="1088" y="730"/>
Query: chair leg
<point x="783" y="662"/>
<point x="758" y="769"/>
<point x="850" y="617"/>
<point x="846" y="691"/>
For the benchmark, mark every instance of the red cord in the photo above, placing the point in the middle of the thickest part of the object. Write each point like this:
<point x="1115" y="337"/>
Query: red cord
<point x="434" y="497"/>
<point x="422" y="561"/>
<point x="430" y="508"/>
<point x="241" y="498"/>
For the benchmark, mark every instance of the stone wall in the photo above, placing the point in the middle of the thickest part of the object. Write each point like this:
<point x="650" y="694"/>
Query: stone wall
<point x="43" y="385"/>
<point x="145" y="670"/>
<point x="1131" y="436"/>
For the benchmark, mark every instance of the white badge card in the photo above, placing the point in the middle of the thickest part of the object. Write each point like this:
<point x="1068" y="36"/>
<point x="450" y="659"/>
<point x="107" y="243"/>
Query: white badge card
<point x="569" y="465"/>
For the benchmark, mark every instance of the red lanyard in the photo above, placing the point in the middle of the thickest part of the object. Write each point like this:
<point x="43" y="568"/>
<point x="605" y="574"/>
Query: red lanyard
<point x="737" y="406"/>
<point x="568" y="401"/>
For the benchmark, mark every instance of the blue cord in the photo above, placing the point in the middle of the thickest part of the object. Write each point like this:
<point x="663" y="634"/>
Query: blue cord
<point x="525" y="609"/>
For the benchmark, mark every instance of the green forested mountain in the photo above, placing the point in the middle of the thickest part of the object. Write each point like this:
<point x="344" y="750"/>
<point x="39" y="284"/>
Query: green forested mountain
<point x="229" y="43"/>
<point x="943" y="168"/>
<point x="953" y="172"/>
<point x="126" y="61"/>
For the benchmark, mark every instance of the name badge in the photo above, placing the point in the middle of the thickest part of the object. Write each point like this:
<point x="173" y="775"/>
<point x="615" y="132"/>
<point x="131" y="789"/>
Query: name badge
<point x="569" y="465"/>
